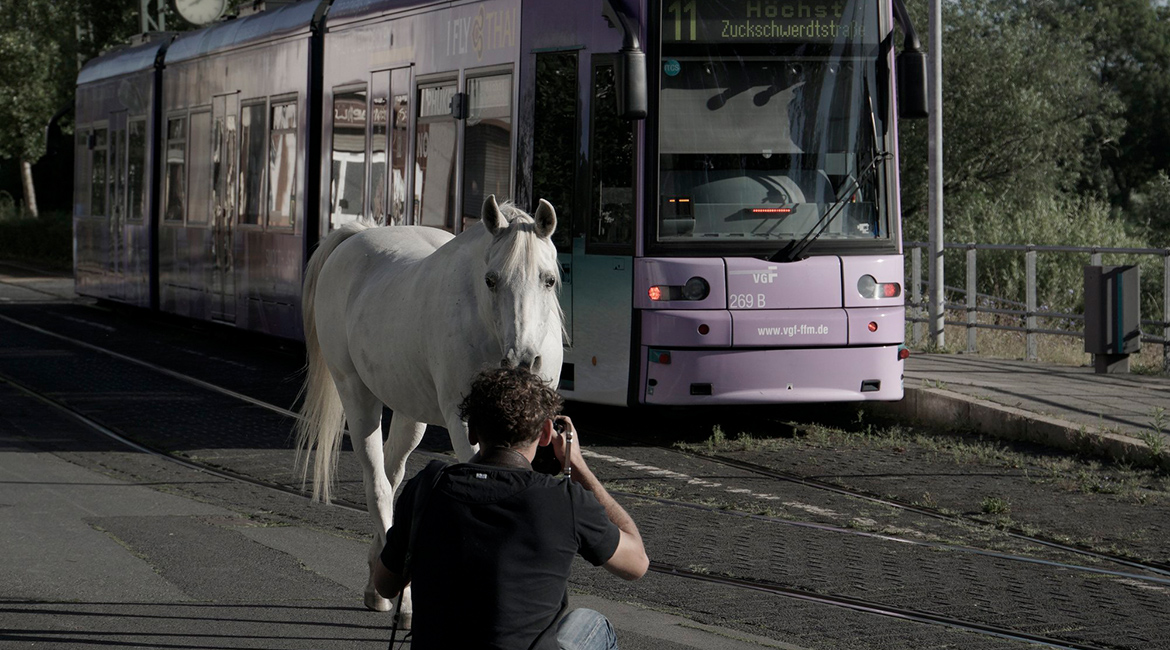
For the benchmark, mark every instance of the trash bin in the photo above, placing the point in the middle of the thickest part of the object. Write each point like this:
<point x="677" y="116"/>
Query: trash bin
<point x="1112" y="316"/>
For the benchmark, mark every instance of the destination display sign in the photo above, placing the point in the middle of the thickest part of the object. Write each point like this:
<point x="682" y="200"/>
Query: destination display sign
<point x="769" y="21"/>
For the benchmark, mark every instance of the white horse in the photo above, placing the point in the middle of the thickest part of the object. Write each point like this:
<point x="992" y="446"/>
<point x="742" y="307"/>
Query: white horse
<point x="406" y="316"/>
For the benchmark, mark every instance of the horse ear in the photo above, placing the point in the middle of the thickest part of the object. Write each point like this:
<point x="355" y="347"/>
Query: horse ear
<point x="492" y="219"/>
<point x="546" y="219"/>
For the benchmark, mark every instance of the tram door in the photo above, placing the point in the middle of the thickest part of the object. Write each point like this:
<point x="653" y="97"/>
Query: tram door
<point x="603" y="260"/>
<point x="224" y="173"/>
<point x="116" y="223"/>
<point x="595" y="201"/>
<point x="554" y="172"/>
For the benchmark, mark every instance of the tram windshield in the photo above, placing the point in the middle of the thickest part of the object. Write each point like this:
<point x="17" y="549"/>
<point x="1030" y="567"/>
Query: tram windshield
<point x="758" y="140"/>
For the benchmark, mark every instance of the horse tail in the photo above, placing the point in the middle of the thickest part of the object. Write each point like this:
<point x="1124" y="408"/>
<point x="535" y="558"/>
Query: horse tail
<point x="322" y="420"/>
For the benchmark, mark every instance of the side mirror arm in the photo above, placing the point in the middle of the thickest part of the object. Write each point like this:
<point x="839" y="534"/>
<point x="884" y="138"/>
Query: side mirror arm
<point x="630" y="71"/>
<point x="911" y="68"/>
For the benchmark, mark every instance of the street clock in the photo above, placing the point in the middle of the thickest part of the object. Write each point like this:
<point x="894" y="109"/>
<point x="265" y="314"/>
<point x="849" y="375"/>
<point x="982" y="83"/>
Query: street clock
<point x="200" y="12"/>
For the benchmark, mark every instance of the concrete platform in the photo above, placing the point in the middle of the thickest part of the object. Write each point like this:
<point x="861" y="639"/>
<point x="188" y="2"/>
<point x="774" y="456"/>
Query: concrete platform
<point x="1119" y="416"/>
<point x="24" y="283"/>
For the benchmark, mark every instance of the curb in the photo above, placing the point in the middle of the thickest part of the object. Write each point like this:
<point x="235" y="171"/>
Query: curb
<point x="941" y="408"/>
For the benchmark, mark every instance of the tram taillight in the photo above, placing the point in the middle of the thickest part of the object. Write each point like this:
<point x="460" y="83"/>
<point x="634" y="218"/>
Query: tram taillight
<point x="869" y="287"/>
<point x="695" y="289"/>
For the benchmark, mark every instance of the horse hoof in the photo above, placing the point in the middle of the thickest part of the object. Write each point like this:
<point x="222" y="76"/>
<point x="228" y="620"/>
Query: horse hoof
<point x="376" y="603"/>
<point x="404" y="619"/>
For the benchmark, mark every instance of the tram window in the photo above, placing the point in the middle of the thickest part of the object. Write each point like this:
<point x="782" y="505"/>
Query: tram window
<point x="252" y="163"/>
<point x="136" y="171"/>
<point x="176" y="179"/>
<point x="348" y="183"/>
<point x="554" y="159"/>
<point x="612" y="175"/>
<point x="81" y="208"/>
<point x="379" y="136"/>
<point x="97" y="197"/>
<point x="282" y="165"/>
<point x="399" y="82"/>
<point x="118" y="174"/>
<point x="487" y="144"/>
<point x="434" y="153"/>
<point x="199" y="182"/>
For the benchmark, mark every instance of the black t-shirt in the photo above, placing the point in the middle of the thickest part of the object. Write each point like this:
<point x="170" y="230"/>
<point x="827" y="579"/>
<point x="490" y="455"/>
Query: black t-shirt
<point x="492" y="555"/>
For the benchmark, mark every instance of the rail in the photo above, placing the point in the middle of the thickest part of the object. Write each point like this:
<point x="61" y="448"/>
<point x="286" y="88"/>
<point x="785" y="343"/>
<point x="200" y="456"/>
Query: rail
<point x="1028" y="310"/>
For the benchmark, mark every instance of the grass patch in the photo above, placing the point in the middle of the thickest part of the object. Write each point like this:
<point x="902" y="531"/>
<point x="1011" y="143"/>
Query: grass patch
<point x="46" y="240"/>
<point x="995" y="506"/>
<point x="1063" y="471"/>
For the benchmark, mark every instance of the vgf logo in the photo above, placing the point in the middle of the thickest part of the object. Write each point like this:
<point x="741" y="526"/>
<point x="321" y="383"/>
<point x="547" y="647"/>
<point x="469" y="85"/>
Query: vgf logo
<point x="765" y="277"/>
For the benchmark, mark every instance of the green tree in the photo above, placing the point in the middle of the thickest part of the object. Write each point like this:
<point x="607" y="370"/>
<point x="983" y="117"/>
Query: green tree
<point x="29" y="93"/>
<point x="41" y="43"/>
<point x="1023" y="110"/>
<point x="1129" y="41"/>
<point x="1028" y="124"/>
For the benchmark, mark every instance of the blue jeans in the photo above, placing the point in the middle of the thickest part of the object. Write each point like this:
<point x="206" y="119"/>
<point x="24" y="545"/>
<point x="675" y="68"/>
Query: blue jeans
<point x="585" y="629"/>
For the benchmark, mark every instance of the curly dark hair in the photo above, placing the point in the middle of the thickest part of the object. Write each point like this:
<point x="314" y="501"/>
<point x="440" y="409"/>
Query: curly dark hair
<point x="507" y="406"/>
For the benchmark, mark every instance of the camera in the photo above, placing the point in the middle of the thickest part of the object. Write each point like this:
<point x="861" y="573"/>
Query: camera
<point x="546" y="461"/>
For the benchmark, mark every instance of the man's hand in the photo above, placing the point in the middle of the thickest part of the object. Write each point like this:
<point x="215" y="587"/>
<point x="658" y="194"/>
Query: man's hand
<point x="388" y="583"/>
<point x="568" y="436"/>
<point x="629" y="561"/>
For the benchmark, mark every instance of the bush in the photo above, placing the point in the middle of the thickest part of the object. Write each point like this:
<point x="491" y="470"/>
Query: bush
<point x="1059" y="221"/>
<point x="46" y="240"/>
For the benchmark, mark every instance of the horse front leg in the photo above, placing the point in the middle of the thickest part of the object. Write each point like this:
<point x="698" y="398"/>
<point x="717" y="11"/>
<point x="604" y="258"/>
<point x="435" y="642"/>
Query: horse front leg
<point x="403" y="437"/>
<point x="457" y="431"/>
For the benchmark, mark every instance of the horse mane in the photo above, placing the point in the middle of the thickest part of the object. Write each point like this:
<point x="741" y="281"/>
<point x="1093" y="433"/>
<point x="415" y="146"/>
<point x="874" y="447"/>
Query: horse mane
<point x="517" y="254"/>
<point x="518" y="251"/>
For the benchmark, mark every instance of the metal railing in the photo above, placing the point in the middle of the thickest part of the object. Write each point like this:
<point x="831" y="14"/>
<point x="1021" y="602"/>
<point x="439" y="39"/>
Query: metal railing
<point x="1028" y="310"/>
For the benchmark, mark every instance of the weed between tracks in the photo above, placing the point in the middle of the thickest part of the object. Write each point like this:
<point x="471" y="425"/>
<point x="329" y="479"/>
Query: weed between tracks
<point x="1070" y="473"/>
<point x="1113" y="507"/>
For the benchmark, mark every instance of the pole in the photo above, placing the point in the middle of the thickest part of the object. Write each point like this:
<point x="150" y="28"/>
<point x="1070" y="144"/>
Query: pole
<point x="937" y="299"/>
<point x="152" y="23"/>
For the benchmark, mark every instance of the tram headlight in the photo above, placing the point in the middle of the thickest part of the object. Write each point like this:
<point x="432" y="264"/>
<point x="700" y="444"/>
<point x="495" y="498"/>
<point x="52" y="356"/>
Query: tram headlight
<point x="696" y="289"/>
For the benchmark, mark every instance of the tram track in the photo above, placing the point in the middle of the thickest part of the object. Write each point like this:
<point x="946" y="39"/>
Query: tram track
<point x="1159" y="568"/>
<point x="726" y="578"/>
<point x="1015" y="533"/>
<point x="1162" y="571"/>
<point x="663" y="568"/>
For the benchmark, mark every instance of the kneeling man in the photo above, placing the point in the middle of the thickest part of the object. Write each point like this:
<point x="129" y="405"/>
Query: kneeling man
<point x="491" y="541"/>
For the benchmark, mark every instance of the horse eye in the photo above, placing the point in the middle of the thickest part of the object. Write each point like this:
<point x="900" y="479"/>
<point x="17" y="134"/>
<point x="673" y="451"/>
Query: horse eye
<point x="550" y="282"/>
<point x="491" y="282"/>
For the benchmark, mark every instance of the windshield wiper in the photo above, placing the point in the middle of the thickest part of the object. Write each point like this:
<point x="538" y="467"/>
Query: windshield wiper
<point x="796" y="247"/>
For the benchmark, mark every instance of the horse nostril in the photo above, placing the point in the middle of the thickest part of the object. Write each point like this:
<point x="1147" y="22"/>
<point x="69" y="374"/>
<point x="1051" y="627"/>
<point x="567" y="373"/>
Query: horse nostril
<point x="536" y="364"/>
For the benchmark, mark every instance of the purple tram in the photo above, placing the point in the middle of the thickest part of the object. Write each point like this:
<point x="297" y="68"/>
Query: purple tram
<point x="724" y="171"/>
